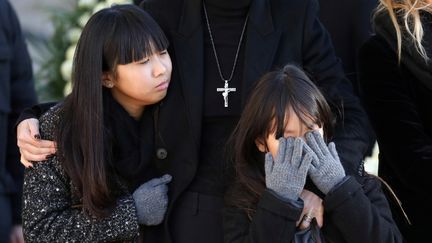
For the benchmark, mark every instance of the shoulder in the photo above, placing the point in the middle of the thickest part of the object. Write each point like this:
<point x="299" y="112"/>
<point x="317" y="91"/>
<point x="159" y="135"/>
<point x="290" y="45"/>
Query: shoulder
<point x="50" y="120"/>
<point x="376" y="48"/>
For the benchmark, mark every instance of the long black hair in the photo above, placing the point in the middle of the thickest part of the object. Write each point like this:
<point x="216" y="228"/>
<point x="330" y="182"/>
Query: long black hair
<point x="120" y="34"/>
<point x="266" y="112"/>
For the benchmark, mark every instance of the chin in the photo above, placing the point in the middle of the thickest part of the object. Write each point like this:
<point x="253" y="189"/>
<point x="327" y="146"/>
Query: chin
<point x="160" y="96"/>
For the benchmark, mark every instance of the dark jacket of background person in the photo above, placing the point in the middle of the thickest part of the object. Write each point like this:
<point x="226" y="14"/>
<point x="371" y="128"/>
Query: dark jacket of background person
<point x="356" y="211"/>
<point x="16" y="93"/>
<point x="398" y="99"/>
<point x="278" y="32"/>
<point x="349" y="25"/>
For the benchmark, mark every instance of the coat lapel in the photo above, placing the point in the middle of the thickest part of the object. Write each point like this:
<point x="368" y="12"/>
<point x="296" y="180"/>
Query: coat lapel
<point x="189" y="47"/>
<point x="261" y="45"/>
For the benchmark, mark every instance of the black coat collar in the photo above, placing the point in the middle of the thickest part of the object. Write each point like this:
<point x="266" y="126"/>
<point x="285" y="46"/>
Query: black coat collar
<point x="261" y="43"/>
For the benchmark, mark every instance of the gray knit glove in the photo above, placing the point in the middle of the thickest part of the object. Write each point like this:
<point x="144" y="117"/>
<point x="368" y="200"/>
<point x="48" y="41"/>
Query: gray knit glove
<point x="151" y="200"/>
<point x="326" y="169"/>
<point x="286" y="175"/>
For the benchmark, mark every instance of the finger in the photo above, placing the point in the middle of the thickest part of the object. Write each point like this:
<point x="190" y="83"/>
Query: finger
<point x="310" y="140"/>
<point x="300" y="219"/>
<point x="33" y="157"/>
<point x="333" y="151"/>
<point x="28" y="131"/>
<point x="33" y="127"/>
<point x="20" y="238"/>
<point x="306" y="221"/>
<point x="25" y="162"/>
<point x="310" y="155"/>
<point x="319" y="216"/>
<point x="281" y="150"/>
<point x="320" y="140"/>
<point x="268" y="163"/>
<point x="297" y="153"/>
<point x="166" y="178"/>
<point x="162" y="189"/>
<point x="26" y="143"/>
<point x="37" y="150"/>
<point x="289" y="149"/>
<point x="160" y="180"/>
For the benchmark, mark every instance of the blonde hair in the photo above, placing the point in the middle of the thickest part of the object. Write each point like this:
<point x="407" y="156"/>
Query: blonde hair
<point x="409" y="11"/>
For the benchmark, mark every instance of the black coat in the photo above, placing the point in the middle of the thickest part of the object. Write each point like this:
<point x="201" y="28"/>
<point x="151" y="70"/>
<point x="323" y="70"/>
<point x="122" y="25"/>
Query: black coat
<point x="354" y="213"/>
<point x="349" y="25"/>
<point x="16" y="92"/>
<point x="279" y="32"/>
<point x="398" y="102"/>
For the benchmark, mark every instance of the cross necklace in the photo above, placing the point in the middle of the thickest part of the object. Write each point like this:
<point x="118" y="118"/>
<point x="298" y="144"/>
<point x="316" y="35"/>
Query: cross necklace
<point x="226" y="89"/>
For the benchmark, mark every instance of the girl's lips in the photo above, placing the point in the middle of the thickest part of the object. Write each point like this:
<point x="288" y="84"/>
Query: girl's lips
<point x="163" y="86"/>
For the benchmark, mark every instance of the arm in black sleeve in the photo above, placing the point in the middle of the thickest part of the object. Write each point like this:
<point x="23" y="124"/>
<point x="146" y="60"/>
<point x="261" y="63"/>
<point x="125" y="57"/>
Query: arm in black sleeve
<point x="274" y="221"/>
<point x="360" y="212"/>
<point x="320" y="62"/>
<point x="35" y="111"/>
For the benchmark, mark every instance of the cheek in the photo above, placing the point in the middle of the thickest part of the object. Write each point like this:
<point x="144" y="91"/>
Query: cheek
<point x="169" y="66"/>
<point x="273" y="146"/>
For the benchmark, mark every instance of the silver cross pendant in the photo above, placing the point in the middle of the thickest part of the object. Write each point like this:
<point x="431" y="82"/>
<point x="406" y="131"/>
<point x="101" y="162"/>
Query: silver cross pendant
<point x="225" y="91"/>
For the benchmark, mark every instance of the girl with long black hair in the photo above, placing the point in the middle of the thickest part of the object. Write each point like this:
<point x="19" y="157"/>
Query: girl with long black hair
<point x="101" y="185"/>
<point x="278" y="145"/>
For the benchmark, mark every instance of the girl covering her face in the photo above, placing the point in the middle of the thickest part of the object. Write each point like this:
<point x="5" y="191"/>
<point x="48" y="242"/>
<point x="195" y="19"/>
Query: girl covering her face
<point x="277" y="146"/>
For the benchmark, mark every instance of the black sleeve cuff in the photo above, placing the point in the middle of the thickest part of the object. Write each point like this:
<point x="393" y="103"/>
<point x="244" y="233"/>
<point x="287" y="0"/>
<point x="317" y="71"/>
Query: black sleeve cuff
<point x="343" y="191"/>
<point x="34" y="112"/>
<point x="287" y="208"/>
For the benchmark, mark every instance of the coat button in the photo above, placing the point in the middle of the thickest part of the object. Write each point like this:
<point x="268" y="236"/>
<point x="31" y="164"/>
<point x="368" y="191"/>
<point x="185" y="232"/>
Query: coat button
<point x="161" y="153"/>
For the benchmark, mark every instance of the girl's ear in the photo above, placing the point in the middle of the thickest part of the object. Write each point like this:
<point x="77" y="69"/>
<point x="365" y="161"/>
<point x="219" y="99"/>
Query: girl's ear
<point x="261" y="146"/>
<point x="107" y="80"/>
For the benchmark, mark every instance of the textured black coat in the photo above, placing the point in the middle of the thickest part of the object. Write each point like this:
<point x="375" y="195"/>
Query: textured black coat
<point x="52" y="209"/>
<point x="399" y="106"/>
<point x="16" y="92"/>
<point x="354" y="213"/>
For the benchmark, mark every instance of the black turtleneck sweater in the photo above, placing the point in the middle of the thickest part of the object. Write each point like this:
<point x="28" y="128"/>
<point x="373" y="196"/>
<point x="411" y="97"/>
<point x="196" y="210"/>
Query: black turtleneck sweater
<point x="226" y="19"/>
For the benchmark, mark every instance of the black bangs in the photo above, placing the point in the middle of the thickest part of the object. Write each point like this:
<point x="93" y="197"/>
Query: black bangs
<point x="134" y="36"/>
<point x="285" y="89"/>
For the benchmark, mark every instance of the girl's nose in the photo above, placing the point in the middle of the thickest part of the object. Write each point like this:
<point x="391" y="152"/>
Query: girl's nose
<point x="159" y="67"/>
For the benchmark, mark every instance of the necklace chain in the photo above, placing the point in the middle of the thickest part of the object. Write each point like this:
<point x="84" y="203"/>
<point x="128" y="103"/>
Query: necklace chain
<point x="214" y="48"/>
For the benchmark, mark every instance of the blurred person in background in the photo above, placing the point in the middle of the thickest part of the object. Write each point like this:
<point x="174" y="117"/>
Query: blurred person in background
<point x="16" y="92"/>
<point x="396" y="80"/>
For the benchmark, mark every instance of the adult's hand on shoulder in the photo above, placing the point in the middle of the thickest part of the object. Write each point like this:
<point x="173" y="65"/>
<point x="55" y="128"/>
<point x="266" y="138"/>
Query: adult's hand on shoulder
<point x="313" y="207"/>
<point x="31" y="147"/>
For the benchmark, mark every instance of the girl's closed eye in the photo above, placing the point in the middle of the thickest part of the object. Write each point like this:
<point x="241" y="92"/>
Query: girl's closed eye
<point x="144" y="61"/>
